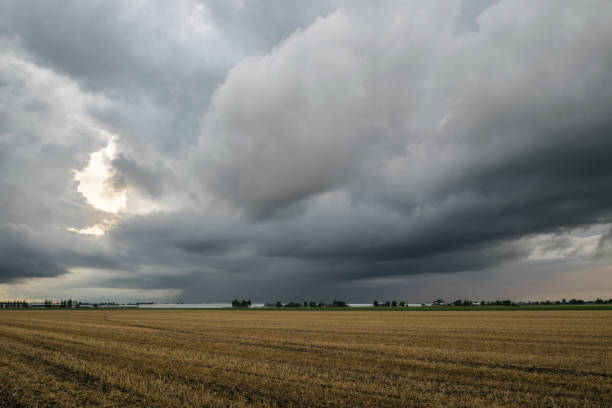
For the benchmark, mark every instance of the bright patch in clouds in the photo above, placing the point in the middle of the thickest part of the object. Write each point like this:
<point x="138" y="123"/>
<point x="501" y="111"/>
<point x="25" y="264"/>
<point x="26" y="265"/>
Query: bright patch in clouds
<point x="97" y="230"/>
<point x="94" y="181"/>
<point x="547" y="247"/>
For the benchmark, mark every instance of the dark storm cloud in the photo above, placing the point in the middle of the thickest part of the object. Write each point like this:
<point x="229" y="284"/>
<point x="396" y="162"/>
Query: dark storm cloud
<point x="32" y="253"/>
<point x="22" y="257"/>
<point x="493" y="137"/>
<point x="71" y="70"/>
<point x="305" y="148"/>
<point x="326" y="250"/>
<point x="438" y="108"/>
<point x="265" y="261"/>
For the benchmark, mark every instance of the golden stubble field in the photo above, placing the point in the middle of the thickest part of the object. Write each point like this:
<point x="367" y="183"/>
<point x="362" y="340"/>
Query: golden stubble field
<point x="199" y="358"/>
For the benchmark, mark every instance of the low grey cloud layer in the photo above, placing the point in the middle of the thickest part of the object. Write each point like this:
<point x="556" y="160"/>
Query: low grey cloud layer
<point x="305" y="149"/>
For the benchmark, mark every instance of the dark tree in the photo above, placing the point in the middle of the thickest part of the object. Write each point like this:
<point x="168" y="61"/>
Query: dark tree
<point x="241" y="303"/>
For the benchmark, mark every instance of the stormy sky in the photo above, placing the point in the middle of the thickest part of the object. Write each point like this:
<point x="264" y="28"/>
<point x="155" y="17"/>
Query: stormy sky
<point x="290" y="150"/>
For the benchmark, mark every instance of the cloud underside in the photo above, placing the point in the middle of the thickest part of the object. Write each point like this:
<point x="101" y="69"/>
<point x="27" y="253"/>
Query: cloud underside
<point x="331" y="145"/>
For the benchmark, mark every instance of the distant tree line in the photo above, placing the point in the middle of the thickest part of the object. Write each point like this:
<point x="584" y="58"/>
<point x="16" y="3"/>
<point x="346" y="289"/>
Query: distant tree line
<point x="246" y="303"/>
<point x="14" y="304"/>
<point x="546" y="302"/>
<point x="307" y="304"/>
<point x="438" y="302"/>
<point x="47" y="304"/>
<point x="241" y="303"/>
<point x="572" y="301"/>
<point x="389" y="303"/>
<point x="311" y="304"/>
<point x="461" y="302"/>
<point x="62" y="304"/>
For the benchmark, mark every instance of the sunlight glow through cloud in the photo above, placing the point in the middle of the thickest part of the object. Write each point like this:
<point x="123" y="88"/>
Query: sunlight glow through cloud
<point x="96" y="229"/>
<point x="94" y="181"/>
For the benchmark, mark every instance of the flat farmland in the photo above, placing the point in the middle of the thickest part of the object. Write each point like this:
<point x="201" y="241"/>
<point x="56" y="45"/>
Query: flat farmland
<point x="244" y="358"/>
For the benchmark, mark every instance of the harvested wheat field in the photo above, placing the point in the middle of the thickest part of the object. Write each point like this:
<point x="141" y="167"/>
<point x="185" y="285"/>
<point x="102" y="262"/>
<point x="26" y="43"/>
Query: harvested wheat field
<point x="198" y="358"/>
